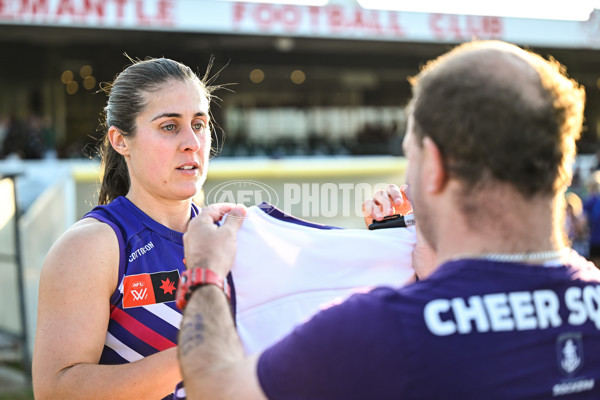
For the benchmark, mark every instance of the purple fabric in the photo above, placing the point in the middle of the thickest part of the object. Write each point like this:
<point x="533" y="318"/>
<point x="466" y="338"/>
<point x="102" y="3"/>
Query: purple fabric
<point x="282" y="216"/>
<point x="529" y="335"/>
<point x="135" y="230"/>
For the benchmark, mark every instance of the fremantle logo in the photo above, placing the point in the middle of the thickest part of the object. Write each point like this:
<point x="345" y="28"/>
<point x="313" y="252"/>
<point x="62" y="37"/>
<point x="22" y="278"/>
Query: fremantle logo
<point x="569" y="353"/>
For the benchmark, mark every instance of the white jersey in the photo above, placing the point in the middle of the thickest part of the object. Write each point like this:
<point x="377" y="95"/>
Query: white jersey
<point x="288" y="269"/>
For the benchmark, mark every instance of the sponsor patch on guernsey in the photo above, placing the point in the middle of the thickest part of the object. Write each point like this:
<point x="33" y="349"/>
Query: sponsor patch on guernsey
<point x="144" y="289"/>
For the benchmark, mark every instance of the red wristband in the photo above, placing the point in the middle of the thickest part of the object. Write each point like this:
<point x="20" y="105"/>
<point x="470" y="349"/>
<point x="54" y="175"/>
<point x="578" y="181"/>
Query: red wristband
<point x="192" y="279"/>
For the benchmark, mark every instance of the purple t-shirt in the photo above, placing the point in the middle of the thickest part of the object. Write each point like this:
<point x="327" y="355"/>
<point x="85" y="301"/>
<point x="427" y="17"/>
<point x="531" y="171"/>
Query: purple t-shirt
<point x="473" y="330"/>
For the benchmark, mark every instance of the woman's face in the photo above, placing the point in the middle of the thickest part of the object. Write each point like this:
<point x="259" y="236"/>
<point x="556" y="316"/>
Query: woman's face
<point x="168" y="155"/>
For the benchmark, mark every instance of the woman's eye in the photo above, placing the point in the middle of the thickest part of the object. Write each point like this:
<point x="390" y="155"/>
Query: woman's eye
<point x="169" y="128"/>
<point x="199" y="126"/>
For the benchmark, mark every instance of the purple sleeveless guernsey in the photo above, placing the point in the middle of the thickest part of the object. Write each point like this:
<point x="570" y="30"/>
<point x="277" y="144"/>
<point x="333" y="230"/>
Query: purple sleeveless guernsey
<point x="143" y="316"/>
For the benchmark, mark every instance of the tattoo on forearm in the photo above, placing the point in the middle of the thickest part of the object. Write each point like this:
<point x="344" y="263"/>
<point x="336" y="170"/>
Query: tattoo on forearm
<point x="192" y="333"/>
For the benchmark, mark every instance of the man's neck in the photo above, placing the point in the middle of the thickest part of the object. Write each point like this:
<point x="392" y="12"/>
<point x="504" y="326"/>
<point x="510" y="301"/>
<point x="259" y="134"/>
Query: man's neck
<point x="505" y="223"/>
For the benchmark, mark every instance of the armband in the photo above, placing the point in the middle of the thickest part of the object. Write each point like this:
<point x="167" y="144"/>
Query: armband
<point x="191" y="279"/>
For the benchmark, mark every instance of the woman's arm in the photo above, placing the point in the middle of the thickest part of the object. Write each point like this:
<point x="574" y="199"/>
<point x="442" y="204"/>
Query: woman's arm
<point x="79" y="275"/>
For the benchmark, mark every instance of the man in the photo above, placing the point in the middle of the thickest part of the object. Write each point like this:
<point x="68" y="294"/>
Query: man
<point x="507" y="312"/>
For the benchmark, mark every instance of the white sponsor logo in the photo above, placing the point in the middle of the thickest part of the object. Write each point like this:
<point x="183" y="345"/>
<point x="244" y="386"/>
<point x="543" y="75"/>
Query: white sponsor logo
<point x="582" y="385"/>
<point x="140" y="294"/>
<point x="141" y="251"/>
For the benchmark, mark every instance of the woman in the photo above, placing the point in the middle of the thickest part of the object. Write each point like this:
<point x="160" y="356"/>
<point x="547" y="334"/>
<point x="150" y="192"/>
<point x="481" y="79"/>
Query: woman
<point x="107" y="320"/>
<point x="591" y="208"/>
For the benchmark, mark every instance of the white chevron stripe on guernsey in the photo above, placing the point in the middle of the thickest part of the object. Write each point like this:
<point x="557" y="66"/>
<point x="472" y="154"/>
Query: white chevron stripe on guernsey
<point x="165" y="313"/>
<point x="121" y="349"/>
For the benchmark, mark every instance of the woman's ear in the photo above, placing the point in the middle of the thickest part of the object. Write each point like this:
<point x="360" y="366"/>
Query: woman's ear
<point x="117" y="141"/>
<point x="432" y="156"/>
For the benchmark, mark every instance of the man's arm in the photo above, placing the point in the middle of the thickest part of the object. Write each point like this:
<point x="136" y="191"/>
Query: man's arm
<point x="210" y="352"/>
<point x="211" y="355"/>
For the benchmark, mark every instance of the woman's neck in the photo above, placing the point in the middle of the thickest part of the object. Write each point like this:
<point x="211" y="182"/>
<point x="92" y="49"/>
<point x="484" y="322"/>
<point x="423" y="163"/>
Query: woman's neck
<point x="174" y="214"/>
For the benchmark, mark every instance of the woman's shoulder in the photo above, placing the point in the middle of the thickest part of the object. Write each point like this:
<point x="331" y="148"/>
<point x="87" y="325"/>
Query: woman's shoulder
<point x="89" y="228"/>
<point x="82" y="264"/>
<point x="87" y="242"/>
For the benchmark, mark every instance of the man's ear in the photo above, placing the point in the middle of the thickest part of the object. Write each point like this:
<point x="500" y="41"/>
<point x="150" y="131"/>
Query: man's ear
<point x="436" y="176"/>
<point x="117" y="141"/>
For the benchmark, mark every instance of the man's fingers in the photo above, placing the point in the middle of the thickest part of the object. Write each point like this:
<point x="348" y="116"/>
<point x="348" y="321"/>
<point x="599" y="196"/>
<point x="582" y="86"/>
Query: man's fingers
<point x="394" y="194"/>
<point x="215" y="212"/>
<point x="209" y="245"/>
<point x="372" y="209"/>
<point x="405" y="191"/>
<point x="384" y="203"/>
<point x="368" y="211"/>
<point x="405" y="206"/>
<point x="235" y="217"/>
<point x="388" y="201"/>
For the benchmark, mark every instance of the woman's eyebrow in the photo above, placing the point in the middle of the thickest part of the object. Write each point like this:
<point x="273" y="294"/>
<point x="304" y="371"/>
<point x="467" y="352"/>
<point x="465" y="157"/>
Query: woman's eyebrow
<point x="176" y="115"/>
<point x="168" y="115"/>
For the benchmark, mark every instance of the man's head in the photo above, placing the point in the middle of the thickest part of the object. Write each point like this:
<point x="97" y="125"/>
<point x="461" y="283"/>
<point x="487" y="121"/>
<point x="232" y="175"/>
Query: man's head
<point x="496" y="114"/>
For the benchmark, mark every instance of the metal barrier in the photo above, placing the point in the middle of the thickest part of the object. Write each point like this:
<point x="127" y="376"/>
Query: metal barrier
<point x="10" y="210"/>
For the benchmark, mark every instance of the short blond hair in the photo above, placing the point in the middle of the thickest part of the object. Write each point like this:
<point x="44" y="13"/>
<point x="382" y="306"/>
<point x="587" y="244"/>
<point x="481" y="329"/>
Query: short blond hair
<point x="496" y="110"/>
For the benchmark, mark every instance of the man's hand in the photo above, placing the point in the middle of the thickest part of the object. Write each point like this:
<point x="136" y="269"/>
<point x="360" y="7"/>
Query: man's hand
<point x="208" y="245"/>
<point x="392" y="200"/>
